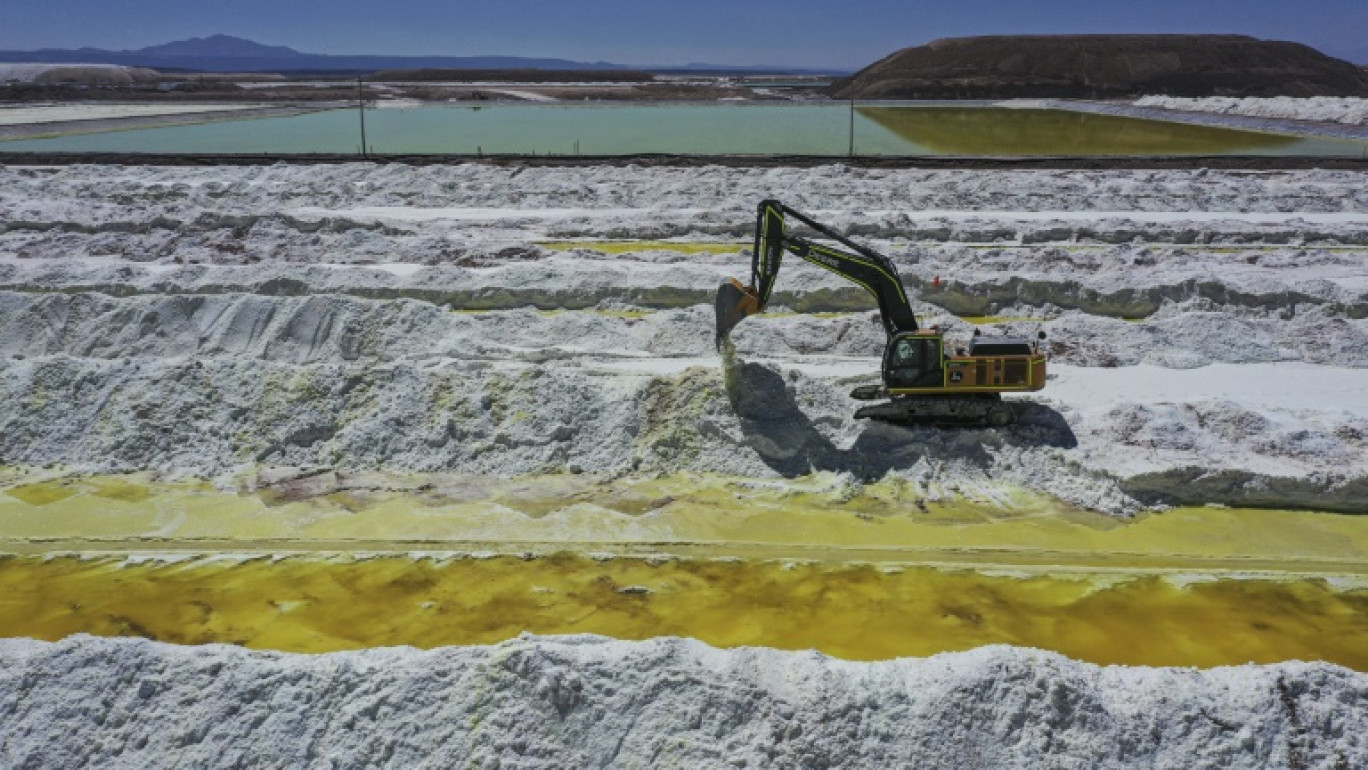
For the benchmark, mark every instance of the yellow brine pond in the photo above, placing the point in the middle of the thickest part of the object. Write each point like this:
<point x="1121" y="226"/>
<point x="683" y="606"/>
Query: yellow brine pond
<point x="321" y="561"/>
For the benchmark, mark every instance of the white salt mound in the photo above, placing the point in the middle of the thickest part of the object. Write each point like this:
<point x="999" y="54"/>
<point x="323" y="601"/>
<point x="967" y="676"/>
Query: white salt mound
<point x="1328" y="109"/>
<point x="89" y="74"/>
<point x="209" y="321"/>
<point x="587" y="701"/>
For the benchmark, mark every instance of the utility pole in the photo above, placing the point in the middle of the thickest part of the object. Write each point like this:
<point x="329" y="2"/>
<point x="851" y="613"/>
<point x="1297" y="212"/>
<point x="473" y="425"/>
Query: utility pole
<point x="361" y="111"/>
<point x="851" y="150"/>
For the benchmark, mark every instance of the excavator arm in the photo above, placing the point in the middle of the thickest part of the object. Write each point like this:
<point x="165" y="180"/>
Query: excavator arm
<point x="860" y="265"/>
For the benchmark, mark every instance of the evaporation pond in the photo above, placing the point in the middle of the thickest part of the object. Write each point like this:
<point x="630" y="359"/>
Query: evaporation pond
<point x="330" y="561"/>
<point x="817" y="517"/>
<point x="764" y="128"/>
<point x="317" y="603"/>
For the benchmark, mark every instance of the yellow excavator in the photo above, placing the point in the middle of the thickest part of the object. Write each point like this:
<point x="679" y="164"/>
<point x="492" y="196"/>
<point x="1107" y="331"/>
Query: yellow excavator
<point x="922" y="382"/>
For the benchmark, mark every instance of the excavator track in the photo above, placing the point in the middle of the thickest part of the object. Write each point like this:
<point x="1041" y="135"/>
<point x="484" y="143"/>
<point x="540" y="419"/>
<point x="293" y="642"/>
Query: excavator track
<point x="934" y="410"/>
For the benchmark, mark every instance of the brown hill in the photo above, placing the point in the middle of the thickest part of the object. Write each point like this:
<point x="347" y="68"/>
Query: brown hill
<point x="1103" y="66"/>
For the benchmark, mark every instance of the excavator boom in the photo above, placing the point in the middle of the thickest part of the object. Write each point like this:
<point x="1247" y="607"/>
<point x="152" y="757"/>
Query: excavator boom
<point x="860" y="265"/>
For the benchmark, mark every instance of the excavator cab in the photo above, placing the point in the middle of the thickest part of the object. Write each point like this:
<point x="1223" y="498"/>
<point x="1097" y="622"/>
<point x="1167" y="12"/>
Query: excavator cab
<point x="914" y="360"/>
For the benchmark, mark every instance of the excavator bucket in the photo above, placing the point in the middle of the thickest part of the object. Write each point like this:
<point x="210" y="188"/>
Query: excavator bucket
<point x="734" y="303"/>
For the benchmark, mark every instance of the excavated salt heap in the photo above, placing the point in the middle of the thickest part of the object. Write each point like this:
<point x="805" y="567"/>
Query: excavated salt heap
<point x="587" y="701"/>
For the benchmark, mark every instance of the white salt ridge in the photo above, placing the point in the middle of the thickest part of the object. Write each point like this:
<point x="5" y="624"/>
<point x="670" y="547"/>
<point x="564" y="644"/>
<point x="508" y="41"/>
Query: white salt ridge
<point x="264" y="358"/>
<point x="25" y="72"/>
<point x="417" y="214"/>
<point x="1126" y="280"/>
<point x="10" y="116"/>
<point x="643" y="197"/>
<point x="489" y="219"/>
<point x="586" y="701"/>
<point x="1086" y="441"/>
<point x="59" y="72"/>
<point x="1286" y="386"/>
<point x="1331" y="109"/>
<point x="530" y="96"/>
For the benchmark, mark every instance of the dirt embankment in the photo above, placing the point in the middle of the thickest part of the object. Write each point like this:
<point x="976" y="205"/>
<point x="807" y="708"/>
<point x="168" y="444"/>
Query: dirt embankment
<point x="1103" y="66"/>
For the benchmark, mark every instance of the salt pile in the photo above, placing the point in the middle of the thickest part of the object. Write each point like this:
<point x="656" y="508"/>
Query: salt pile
<point x="585" y="701"/>
<point x="207" y="323"/>
<point x="104" y="74"/>
<point x="1332" y="109"/>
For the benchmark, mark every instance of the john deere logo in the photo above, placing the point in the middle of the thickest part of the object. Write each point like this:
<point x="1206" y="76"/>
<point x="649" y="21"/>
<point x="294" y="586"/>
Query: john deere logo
<point x="824" y="259"/>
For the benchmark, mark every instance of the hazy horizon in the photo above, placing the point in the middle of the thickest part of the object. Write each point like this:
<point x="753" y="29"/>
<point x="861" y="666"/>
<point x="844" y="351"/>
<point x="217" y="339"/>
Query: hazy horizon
<point x="799" y="33"/>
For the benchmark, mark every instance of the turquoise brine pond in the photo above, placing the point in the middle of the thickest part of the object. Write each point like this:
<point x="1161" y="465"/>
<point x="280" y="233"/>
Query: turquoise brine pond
<point x="705" y="129"/>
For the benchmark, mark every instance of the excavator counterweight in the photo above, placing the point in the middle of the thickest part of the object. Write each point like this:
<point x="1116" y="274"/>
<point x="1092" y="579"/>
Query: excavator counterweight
<point x="921" y="380"/>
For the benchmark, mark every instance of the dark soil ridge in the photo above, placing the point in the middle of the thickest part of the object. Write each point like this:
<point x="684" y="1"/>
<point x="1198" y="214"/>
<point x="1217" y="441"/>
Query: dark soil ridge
<point x="1101" y="67"/>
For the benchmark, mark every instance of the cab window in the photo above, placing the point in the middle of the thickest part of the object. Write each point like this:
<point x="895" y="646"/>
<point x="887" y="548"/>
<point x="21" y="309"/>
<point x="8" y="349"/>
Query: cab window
<point x="908" y="354"/>
<point x="915" y="362"/>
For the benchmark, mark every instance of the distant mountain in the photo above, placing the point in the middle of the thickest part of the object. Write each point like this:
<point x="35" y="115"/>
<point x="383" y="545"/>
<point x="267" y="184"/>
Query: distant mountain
<point x="217" y="46"/>
<point x="224" y="53"/>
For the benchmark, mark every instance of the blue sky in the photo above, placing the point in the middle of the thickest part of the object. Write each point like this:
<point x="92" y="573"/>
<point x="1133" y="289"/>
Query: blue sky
<point x="737" y="32"/>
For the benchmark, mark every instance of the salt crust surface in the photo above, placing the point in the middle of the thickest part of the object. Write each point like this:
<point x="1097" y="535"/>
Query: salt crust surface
<point x="34" y="72"/>
<point x="1334" y="109"/>
<point x="587" y="701"/>
<point x="184" y="321"/>
<point x="10" y="116"/>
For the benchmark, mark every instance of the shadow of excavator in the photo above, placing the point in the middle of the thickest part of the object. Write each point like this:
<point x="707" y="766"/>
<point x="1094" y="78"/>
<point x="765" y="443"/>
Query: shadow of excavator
<point x="790" y="443"/>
